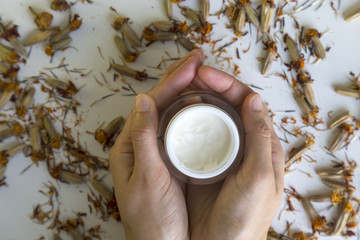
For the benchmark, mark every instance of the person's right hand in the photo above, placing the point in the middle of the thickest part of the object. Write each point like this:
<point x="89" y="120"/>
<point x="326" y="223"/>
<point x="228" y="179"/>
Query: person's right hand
<point x="242" y="206"/>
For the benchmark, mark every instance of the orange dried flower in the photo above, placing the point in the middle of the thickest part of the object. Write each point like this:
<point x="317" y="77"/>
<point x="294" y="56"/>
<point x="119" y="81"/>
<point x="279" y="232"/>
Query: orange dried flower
<point x="10" y="33"/>
<point x="182" y="27"/>
<point x="348" y="207"/>
<point x="130" y="57"/>
<point x="101" y="136"/>
<point x="299" y="64"/>
<point x="59" y="5"/>
<point x="206" y="28"/>
<point x="299" y="236"/>
<point x="17" y="129"/>
<point x="271" y="46"/>
<point x="43" y="20"/>
<point x="310" y="33"/>
<point x="337" y="197"/>
<point x="49" y="50"/>
<point x="149" y="34"/>
<point x="118" y="22"/>
<point x="75" y="23"/>
<point x="245" y="2"/>
<point x="319" y="223"/>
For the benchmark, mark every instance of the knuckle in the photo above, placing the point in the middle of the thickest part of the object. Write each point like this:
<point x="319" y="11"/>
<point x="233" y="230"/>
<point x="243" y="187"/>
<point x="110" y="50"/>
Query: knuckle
<point x="141" y="134"/>
<point x="262" y="177"/>
<point x="262" y="129"/>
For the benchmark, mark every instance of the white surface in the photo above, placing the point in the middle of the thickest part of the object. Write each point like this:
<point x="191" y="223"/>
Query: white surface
<point x="17" y="200"/>
<point x="197" y="139"/>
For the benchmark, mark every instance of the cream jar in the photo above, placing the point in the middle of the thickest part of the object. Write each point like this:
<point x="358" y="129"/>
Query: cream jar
<point x="201" y="137"/>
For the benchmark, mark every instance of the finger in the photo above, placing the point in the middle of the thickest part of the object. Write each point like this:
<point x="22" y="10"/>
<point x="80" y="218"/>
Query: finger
<point x="178" y="63"/>
<point x="278" y="162"/>
<point x="277" y="155"/>
<point x="198" y="84"/>
<point x="176" y="81"/>
<point x="257" y="156"/>
<point x="121" y="156"/>
<point x="143" y="132"/>
<point x="228" y="87"/>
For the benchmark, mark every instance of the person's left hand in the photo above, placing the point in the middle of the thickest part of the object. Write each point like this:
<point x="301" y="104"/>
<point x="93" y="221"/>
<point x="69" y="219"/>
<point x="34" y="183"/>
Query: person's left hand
<point x="151" y="201"/>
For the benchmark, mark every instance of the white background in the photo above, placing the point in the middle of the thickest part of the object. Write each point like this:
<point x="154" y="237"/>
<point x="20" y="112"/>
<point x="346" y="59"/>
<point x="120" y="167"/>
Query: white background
<point x="17" y="200"/>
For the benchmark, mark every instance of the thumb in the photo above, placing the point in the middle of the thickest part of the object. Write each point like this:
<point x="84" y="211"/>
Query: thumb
<point x="257" y="156"/>
<point x="143" y="132"/>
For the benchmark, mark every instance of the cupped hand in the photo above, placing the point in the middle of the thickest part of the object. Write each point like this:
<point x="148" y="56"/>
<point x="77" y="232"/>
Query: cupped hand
<point x="151" y="201"/>
<point x="242" y="206"/>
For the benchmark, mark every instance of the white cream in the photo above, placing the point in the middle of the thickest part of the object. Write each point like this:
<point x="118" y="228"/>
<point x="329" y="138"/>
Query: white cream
<point x="202" y="141"/>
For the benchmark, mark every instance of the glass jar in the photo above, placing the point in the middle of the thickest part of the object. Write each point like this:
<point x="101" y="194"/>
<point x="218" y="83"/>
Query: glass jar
<point x="200" y="137"/>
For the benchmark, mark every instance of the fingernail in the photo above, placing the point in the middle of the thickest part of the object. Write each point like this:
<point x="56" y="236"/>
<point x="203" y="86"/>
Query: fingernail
<point x="142" y="103"/>
<point x="256" y="103"/>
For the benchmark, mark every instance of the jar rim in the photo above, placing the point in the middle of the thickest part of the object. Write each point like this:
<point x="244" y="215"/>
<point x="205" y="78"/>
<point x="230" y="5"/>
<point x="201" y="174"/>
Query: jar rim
<point x="221" y="114"/>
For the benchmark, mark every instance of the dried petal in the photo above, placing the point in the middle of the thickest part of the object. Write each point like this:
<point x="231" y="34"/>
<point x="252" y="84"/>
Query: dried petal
<point x="338" y="142"/>
<point x="341" y="120"/>
<point x="268" y="62"/>
<point x="309" y="208"/>
<point x="71" y="178"/>
<point x="240" y="21"/>
<point x="340" y="185"/>
<point x="293" y="48"/>
<point x="101" y="189"/>
<point x="164" y="26"/>
<point x="39" y="36"/>
<point x="205" y="8"/>
<point x="52" y="48"/>
<point x="342" y="219"/>
<point x="298" y="152"/>
<point x="318" y="48"/>
<point x="141" y="76"/>
<point x="7" y="55"/>
<point x="130" y="35"/>
<point x="125" y="52"/>
<point x="5" y="97"/>
<point x="61" y="86"/>
<point x="152" y="36"/>
<point x="168" y="8"/>
<point x="55" y="137"/>
<point x="26" y="102"/>
<point x="300" y="100"/>
<point x="348" y="91"/>
<point x="309" y="94"/>
<point x="267" y="10"/>
<point x="251" y="14"/>
<point x="35" y="140"/>
<point x="2" y="172"/>
<point x="6" y="133"/>
<point x="355" y="15"/>
<point x="187" y="44"/>
<point x="104" y="135"/>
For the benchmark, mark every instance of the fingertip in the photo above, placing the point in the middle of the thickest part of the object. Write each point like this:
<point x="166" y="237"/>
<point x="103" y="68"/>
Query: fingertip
<point x="142" y="103"/>
<point x="198" y="52"/>
<point x="252" y="104"/>
<point x="256" y="103"/>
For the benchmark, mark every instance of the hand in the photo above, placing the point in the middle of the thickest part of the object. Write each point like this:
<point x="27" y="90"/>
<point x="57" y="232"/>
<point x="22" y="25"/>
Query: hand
<point x="151" y="201"/>
<point x="243" y="206"/>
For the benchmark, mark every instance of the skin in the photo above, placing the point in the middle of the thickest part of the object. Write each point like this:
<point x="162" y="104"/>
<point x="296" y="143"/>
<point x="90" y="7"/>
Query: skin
<point x="155" y="205"/>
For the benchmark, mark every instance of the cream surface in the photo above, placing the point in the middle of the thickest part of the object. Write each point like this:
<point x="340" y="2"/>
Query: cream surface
<point x="201" y="141"/>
